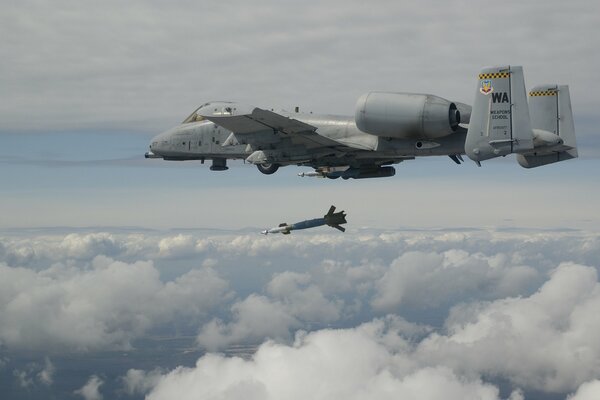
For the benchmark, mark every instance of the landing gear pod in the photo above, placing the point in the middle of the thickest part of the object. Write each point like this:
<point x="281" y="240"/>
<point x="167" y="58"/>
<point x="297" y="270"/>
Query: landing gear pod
<point x="267" y="169"/>
<point x="219" y="164"/>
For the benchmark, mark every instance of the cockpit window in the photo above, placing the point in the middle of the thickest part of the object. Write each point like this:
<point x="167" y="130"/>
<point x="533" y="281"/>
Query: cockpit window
<point x="194" y="117"/>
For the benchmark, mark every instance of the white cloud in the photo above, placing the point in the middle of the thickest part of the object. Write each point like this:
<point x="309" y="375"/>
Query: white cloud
<point x="587" y="391"/>
<point x="368" y="250"/>
<point x="90" y="245"/>
<point x="432" y="279"/>
<point x="351" y="364"/>
<point x="303" y="298"/>
<point x="326" y="279"/>
<point x="547" y="341"/>
<point x="105" y="306"/>
<point x="46" y="375"/>
<point x="138" y="382"/>
<point x="91" y="390"/>
<point x="40" y="250"/>
<point x="510" y="313"/>
<point x="253" y="319"/>
<point x="24" y="378"/>
<point x="532" y="326"/>
<point x="27" y="375"/>
<point x="176" y="246"/>
<point x="294" y="302"/>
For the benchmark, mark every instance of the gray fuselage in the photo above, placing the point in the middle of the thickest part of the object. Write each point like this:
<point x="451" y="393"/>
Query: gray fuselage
<point x="203" y="140"/>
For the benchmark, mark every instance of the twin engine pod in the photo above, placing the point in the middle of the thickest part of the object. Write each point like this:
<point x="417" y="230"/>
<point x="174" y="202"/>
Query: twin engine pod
<point x="407" y="115"/>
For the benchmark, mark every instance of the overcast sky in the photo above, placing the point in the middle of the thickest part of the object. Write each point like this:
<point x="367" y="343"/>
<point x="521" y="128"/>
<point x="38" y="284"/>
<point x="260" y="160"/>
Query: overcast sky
<point x="144" y="65"/>
<point x="451" y="282"/>
<point x="85" y="85"/>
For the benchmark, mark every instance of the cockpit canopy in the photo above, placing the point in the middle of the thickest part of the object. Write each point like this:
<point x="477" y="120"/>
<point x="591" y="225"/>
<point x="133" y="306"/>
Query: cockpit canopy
<point x="194" y="117"/>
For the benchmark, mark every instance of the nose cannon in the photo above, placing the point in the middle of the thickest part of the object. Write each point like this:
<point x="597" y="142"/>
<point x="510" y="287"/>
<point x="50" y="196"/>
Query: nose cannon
<point x="150" y="154"/>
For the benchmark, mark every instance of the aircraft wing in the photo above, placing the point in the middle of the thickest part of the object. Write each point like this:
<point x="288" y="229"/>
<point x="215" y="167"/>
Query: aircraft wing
<point x="259" y="127"/>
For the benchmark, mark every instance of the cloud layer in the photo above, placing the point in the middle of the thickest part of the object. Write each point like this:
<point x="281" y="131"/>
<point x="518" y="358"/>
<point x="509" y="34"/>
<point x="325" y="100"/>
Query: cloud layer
<point x="103" y="306"/>
<point x="545" y="341"/>
<point x="353" y="364"/>
<point x="465" y="309"/>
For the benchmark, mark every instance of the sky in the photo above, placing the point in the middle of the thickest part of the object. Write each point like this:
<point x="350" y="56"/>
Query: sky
<point x="122" y="277"/>
<point x="86" y="85"/>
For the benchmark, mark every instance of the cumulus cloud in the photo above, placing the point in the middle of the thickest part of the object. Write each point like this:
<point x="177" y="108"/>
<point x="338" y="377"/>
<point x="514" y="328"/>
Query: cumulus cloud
<point x="32" y="372"/>
<point x="294" y="301"/>
<point x="431" y="279"/>
<point x="338" y="290"/>
<point x="351" y="363"/>
<point x="303" y="298"/>
<point x="139" y="382"/>
<point x="105" y="306"/>
<point x="587" y="391"/>
<point x="24" y="378"/>
<point x="547" y="341"/>
<point x="90" y="245"/>
<point x="541" y="250"/>
<point x="327" y="279"/>
<point x="40" y="250"/>
<point x="46" y="375"/>
<point x="91" y="390"/>
<point x="176" y="246"/>
<point x="532" y="327"/>
<point x="478" y="306"/>
<point x="253" y="319"/>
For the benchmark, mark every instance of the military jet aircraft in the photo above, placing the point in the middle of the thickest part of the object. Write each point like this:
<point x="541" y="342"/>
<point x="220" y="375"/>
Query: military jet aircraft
<point x="386" y="129"/>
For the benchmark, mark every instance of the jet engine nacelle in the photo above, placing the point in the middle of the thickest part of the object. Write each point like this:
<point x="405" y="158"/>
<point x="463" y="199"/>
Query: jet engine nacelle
<point x="406" y="115"/>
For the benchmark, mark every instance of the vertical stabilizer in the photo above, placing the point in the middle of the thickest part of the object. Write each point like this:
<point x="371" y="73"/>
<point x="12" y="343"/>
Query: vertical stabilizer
<point x="566" y="124"/>
<point x="553" y="126"/>
<point x="500" y="122"/>
<point x="551" y="111"/>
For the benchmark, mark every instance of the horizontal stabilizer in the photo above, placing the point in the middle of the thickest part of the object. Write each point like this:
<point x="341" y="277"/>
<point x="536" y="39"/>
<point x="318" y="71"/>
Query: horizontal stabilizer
<point x="532" y="161"/>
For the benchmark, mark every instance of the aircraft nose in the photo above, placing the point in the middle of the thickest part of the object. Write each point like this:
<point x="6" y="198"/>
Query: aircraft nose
<point x="154" y="148"/>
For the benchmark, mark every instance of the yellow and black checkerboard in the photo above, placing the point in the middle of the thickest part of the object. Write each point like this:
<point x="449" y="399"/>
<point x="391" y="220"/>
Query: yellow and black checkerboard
<point x="494" y="75"/>
<point x="543" y="93"/>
